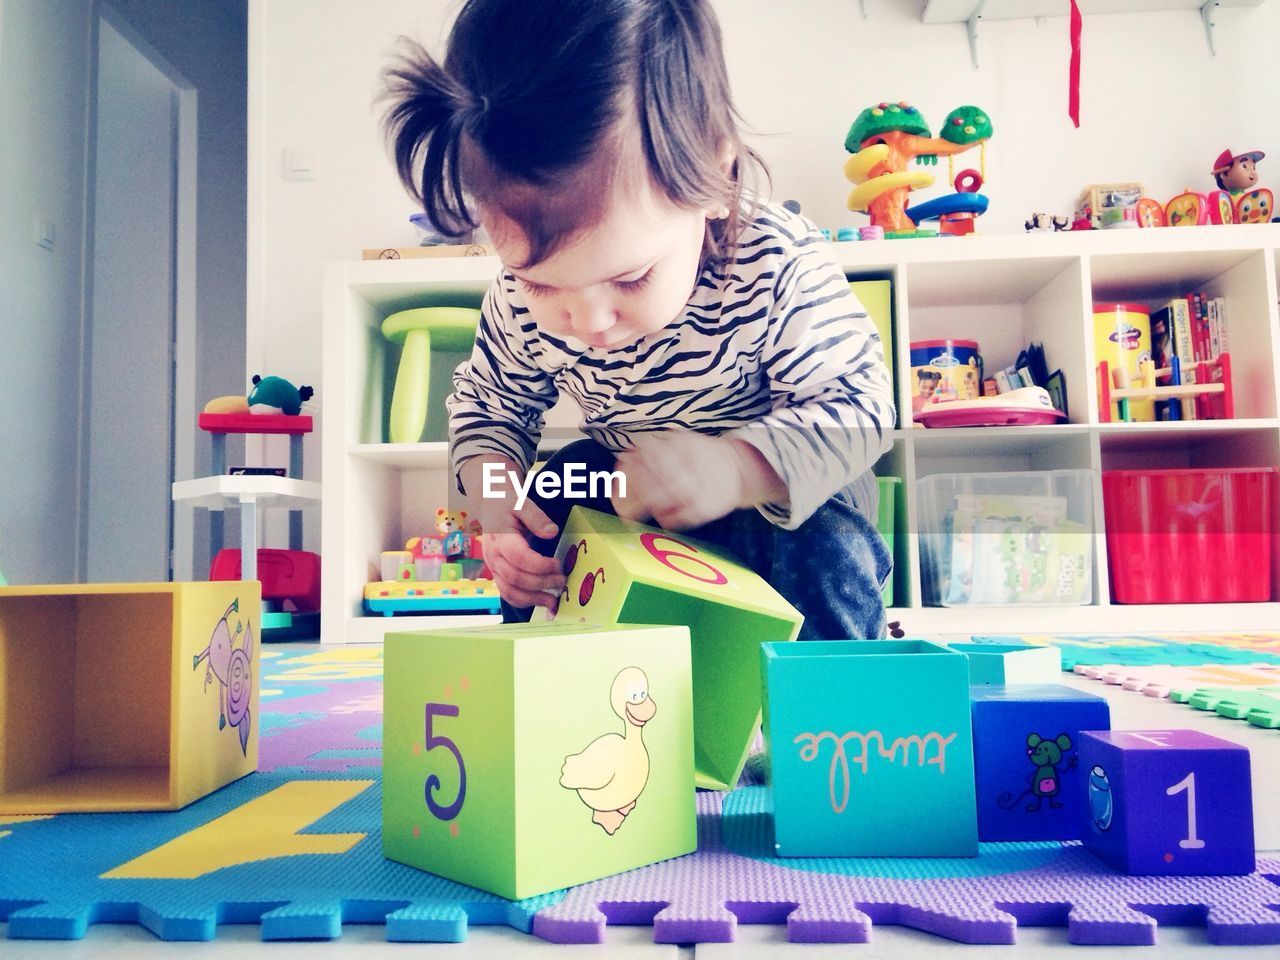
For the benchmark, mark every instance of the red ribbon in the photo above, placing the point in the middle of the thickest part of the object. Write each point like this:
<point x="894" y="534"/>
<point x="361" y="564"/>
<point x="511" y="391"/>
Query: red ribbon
<point x="1073" y="90"/>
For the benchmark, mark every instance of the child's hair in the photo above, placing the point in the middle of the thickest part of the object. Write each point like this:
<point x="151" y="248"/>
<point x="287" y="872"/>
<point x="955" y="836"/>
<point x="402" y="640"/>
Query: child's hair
<point x="533" y="113"/>
<point x="924" y="375"/>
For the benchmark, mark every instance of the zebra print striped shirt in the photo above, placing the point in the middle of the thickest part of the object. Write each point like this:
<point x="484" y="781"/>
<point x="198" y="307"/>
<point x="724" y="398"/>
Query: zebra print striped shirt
<point x="773" y="349"/>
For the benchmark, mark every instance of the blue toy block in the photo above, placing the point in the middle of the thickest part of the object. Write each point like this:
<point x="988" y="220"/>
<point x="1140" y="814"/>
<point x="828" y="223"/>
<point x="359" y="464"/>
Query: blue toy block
<point x="1025" y="741"/>
<point x="999" y="663"/>
<point x="870" y="749"/>
<point x="1167" y="802"/>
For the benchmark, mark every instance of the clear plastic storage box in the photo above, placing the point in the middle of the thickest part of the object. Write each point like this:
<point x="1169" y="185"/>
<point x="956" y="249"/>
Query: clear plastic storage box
<point x="1006" y="538"/>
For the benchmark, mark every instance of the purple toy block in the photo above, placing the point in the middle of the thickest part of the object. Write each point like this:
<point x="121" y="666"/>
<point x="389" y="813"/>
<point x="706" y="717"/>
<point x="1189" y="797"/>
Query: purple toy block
<point x="1167" y="802"/>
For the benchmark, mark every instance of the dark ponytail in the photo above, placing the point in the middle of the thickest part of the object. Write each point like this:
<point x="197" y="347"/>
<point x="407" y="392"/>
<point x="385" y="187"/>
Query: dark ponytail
<point x="426" y="121"/>
<point x="542" y="106"/>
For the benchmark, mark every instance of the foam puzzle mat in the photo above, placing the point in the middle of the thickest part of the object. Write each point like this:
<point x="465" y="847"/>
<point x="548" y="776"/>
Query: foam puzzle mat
<point x="295" y="848"/>
<point x="735" y="878"/>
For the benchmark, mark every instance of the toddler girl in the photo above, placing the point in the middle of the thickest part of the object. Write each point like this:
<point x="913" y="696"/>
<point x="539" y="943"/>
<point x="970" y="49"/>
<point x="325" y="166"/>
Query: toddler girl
<point x="720" y="362"/>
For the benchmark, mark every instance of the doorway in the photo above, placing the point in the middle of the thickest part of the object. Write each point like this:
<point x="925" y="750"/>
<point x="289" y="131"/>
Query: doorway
<point x="139" y="343"/>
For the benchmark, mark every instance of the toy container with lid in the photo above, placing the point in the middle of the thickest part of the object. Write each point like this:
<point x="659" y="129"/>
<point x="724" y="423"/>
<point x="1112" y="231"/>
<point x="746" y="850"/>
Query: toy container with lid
<point x="1006" y="538"/>
<point x="1122" y="337"/>
<point x="944" y="370"/>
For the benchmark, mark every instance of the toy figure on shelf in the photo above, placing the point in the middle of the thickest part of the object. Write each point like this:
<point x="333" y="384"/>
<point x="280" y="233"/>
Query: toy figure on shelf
<point x="436" y="574"/>
<point x="270" y="395"/>
<point x="1043" y="223"/>
<point x="1238" y="175"/>
<point x="884" y="139"/>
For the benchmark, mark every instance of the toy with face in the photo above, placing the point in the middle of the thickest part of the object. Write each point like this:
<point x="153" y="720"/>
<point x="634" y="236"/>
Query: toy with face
<point x="1237" y="172"/>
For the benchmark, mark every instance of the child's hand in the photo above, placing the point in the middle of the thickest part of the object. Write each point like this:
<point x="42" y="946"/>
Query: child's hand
<point x="683" y="479"/>
<point x="524" y="577"/>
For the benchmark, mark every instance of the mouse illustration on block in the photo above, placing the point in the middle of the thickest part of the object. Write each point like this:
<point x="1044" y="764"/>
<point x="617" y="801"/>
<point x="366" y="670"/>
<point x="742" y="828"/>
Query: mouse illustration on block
<point x="1046" y="782"/>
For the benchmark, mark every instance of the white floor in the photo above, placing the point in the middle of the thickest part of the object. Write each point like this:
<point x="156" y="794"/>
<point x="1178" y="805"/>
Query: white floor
<point x="1128" y="711"/>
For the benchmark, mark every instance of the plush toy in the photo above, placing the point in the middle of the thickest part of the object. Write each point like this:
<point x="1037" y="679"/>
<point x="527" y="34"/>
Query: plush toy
<point x="269" y="395"/>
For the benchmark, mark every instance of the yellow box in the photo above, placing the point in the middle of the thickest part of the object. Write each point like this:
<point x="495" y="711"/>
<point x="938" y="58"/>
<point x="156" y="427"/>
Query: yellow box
<point x="122" y="697"/>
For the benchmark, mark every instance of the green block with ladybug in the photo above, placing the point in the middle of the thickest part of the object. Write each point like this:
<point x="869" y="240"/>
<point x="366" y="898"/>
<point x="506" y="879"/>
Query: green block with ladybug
<point x="524" y="758"/>
<point x="624" y="572"/>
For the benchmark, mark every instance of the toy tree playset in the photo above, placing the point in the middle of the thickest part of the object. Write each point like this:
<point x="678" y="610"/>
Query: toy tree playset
<point x="882" y="143"/>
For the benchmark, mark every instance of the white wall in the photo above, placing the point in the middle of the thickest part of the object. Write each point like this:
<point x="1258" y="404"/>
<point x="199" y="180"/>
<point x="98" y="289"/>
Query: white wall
<point x="43" y="74"/>
<point x="1155" y="108"/>
<point x="45" y="57"/>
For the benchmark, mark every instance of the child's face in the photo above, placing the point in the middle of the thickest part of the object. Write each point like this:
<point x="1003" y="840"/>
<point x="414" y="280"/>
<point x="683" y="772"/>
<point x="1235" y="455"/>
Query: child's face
<point x="629" y="275"/>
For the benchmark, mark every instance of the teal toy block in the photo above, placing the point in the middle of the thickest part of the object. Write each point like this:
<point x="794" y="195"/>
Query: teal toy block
<point x="524" y="758"/>
<point x="1001" y="663"/>
<point x="622" y="572"/>
<point x="870" y="749"/>
<point x="1025" y="743"/>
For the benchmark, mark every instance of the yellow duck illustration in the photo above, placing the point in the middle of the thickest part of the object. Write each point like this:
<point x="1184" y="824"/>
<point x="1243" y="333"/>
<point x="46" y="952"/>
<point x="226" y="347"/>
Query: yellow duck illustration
<point x="611" y="772"/>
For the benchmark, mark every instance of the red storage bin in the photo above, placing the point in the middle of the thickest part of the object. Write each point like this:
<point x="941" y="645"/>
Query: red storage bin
<point x="1190" y="536"/>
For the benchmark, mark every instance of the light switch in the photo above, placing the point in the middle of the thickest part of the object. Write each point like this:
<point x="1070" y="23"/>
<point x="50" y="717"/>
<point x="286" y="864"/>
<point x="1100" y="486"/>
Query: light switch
<point x="300" y="164"/>
<point x="45" y="232"/>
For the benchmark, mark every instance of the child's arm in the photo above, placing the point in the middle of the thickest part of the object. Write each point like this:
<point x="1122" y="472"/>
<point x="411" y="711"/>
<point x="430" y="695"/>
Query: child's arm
<point x="524" y="577"/>
<point x="684" y="479"/>
<point x="500" y="395"/>
<point x="495" y="416"/>
<point x="833" y="410"/>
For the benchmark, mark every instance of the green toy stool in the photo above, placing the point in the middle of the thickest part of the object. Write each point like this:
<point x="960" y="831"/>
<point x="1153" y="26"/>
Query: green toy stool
<point x="451" y="328"/>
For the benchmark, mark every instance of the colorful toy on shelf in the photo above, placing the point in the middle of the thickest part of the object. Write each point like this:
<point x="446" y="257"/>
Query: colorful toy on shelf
<point x="553" y="753"/>
<point x="1167" y="802"/>
<point x="1025" y="406"/>
<point x="436" y="574"/>
<point x="1025" y="738"/>
<point x="270" y="395"/>
<point x="461" y="595"/>
<point x="124" y="697"/>
<point x="621" y="572"/>
<point x="1211" y="390"/>
<point x="848" y="743"/>
<point x="884" y="139"/>
<point x="1151" y="213"/>
<point x="957" y="213"/>
<point x="1044" y="223"/>
<point x="418" y="330"/>
<point x="1237" y="174"/>
<point x="1106" y="206"/>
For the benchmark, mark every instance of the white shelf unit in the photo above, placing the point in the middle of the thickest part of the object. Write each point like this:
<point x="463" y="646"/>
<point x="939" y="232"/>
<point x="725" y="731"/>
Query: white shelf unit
<point x="1003" y="291"/>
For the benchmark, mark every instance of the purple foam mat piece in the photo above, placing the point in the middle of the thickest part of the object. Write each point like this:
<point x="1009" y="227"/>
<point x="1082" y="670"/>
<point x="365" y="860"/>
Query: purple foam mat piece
<point x="701" y="898"/>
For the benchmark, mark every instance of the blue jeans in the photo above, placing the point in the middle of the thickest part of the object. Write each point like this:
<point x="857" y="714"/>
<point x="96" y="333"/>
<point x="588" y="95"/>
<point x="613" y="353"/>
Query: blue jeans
<point x="831" y="568"/>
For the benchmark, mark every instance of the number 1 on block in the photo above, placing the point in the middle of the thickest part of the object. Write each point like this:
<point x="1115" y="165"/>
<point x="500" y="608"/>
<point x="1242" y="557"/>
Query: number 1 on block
<point x="1188" y="783"/>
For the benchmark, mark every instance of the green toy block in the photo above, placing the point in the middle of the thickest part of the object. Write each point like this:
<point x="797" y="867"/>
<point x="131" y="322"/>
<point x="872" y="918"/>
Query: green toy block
<point x="524" y="758"/>
<point x="623" y="572"/>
